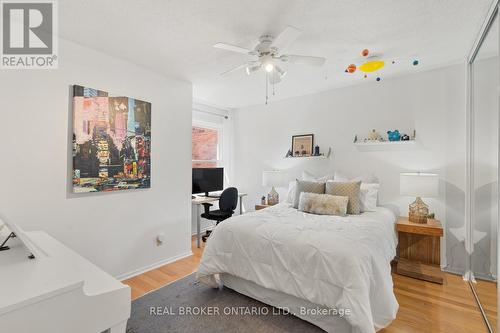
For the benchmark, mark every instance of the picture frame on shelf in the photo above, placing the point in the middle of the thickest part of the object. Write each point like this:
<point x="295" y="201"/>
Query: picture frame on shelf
<point x="302" y="145"/>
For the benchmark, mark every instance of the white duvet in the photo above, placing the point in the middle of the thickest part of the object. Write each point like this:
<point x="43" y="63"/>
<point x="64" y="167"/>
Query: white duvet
<point x="332" y="261"/>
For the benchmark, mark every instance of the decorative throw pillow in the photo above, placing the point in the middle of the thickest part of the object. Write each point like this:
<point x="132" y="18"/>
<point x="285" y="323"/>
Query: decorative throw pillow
<point x="323" y="204"/>
<point x="368" y="197"/>
<point x="351" y="190"/>
<point x="305" y="186"/>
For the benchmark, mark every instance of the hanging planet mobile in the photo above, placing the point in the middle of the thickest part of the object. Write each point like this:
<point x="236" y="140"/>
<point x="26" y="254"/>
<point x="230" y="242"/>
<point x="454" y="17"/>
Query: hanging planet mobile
<point x="371" y="66"/>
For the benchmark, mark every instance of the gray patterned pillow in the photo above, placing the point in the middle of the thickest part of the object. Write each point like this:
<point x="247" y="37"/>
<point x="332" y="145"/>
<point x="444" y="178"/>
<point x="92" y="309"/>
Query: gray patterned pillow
<point x="305" y="186"/>
<point x="347" y="189"/>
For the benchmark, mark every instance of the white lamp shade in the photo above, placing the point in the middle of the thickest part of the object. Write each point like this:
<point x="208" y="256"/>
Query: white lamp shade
<point x="275" y="178"/>
<point x="419" y="184"/>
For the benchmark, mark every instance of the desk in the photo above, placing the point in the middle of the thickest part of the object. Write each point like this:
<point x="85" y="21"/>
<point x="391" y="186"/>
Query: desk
<point x="199" y="201"/>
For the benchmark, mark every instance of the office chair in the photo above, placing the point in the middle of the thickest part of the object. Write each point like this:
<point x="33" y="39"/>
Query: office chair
<point x="227" y="204"/>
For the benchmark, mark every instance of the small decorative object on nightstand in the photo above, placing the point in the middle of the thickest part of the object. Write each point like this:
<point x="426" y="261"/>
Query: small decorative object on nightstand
<point x="273" y="179"/>
<point x="259" y="207"/>
<point x="419" y="253"/>
<point x="418" y="185"/>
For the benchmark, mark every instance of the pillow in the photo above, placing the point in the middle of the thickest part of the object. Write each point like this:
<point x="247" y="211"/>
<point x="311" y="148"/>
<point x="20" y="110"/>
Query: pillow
<point x="368" y="178"/>
<point x="368" y="197"/>
<point x="347" y="189"/>
<point x="323" y="204"/>
<point x="292" y="186"/>
<point x="305" y="186"/>
<point x="313" y="178"/>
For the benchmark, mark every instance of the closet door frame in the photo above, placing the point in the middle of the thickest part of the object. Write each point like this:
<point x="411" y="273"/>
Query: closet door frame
<point x="470" y="195"/>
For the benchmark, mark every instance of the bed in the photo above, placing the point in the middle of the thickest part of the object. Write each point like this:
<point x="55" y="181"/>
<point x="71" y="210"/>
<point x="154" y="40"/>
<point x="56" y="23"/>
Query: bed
<point x="332" y="271"/>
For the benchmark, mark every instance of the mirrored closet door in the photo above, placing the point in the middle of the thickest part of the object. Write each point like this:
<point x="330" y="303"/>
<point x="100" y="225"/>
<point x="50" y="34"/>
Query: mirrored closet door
<point x="484" y="171"/>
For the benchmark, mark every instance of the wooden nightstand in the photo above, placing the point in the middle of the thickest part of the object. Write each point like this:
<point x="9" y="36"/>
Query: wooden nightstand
<point x="259" y="207"/>
<point x="419" y="253"/>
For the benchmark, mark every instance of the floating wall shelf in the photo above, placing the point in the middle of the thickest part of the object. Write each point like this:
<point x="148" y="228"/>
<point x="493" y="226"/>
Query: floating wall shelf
<point x="325" y="156"/>
<point x="306" y="157"/>
<point x="386" y="145"/>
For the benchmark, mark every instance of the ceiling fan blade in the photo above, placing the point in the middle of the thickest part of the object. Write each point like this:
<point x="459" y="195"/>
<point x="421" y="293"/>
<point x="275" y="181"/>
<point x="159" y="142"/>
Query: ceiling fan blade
<point x="303" y="60"/>
<point x="287" y="37"/>
<point x="237" y="68"/>
<point x="233" y="48"/>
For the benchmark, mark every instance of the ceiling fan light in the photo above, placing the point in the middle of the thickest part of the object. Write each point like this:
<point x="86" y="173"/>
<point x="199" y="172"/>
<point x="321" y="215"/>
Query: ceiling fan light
<point x="252" y="68"/>
<point x="269" y="67"/>
<point x="280" y="71"/>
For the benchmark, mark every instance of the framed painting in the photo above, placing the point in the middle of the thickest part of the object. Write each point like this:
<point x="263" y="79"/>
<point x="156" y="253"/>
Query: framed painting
<point x="302" y="145"/>
<point x="111" y="142"/>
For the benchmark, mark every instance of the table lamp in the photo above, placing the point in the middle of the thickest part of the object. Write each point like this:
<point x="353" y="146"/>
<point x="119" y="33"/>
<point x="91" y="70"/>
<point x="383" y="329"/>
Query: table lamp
<point x="273" y="179"/>
<point x="418" y="185"/>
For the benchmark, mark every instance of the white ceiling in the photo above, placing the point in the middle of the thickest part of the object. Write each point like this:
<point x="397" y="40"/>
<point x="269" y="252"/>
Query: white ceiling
<point x="175" y="37"/>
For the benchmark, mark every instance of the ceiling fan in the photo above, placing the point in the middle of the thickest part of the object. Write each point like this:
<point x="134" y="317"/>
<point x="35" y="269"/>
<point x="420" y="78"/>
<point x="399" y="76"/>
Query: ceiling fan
<point x="269" y="53"/>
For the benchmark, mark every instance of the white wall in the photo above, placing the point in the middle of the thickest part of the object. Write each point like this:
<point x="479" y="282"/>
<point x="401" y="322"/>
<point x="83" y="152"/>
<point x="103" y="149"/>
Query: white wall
<point x="116" y="231"/>
<point x="431" y="102"/>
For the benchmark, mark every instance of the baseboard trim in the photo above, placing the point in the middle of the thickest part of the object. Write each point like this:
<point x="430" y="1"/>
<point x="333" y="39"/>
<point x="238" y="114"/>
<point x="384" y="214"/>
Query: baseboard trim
<point x="157" y="264"/>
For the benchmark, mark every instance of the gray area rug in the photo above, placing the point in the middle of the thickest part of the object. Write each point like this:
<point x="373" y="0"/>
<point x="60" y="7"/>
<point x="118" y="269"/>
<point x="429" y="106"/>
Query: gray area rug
<point x="225" y="311"/>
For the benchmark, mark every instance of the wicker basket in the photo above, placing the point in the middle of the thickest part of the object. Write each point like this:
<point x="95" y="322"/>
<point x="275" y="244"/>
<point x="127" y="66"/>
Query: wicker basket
<point x="417" y="218"/>
<point x="418" y="211"/>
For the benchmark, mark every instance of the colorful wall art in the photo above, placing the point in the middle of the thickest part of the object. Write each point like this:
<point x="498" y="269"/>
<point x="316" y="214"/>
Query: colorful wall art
<point x="111" y="142"/>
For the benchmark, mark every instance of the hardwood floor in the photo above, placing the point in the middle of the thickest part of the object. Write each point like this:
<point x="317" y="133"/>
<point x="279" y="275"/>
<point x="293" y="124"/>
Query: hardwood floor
<point x="430" y="307"/>
<point x="156" y="278"/>
<point x="424" y="306"/>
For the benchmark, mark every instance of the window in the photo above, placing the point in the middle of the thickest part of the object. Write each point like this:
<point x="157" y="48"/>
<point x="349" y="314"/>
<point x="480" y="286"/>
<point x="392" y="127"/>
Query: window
<point x="205" y="149"/>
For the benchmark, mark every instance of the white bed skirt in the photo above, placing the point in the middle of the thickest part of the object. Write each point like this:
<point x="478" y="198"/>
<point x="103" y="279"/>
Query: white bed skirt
<point x="297" y="306"/>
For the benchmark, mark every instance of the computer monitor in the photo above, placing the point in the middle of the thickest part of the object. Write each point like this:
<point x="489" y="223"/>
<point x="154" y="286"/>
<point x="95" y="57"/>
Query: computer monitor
<point x="207" y="180"/>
